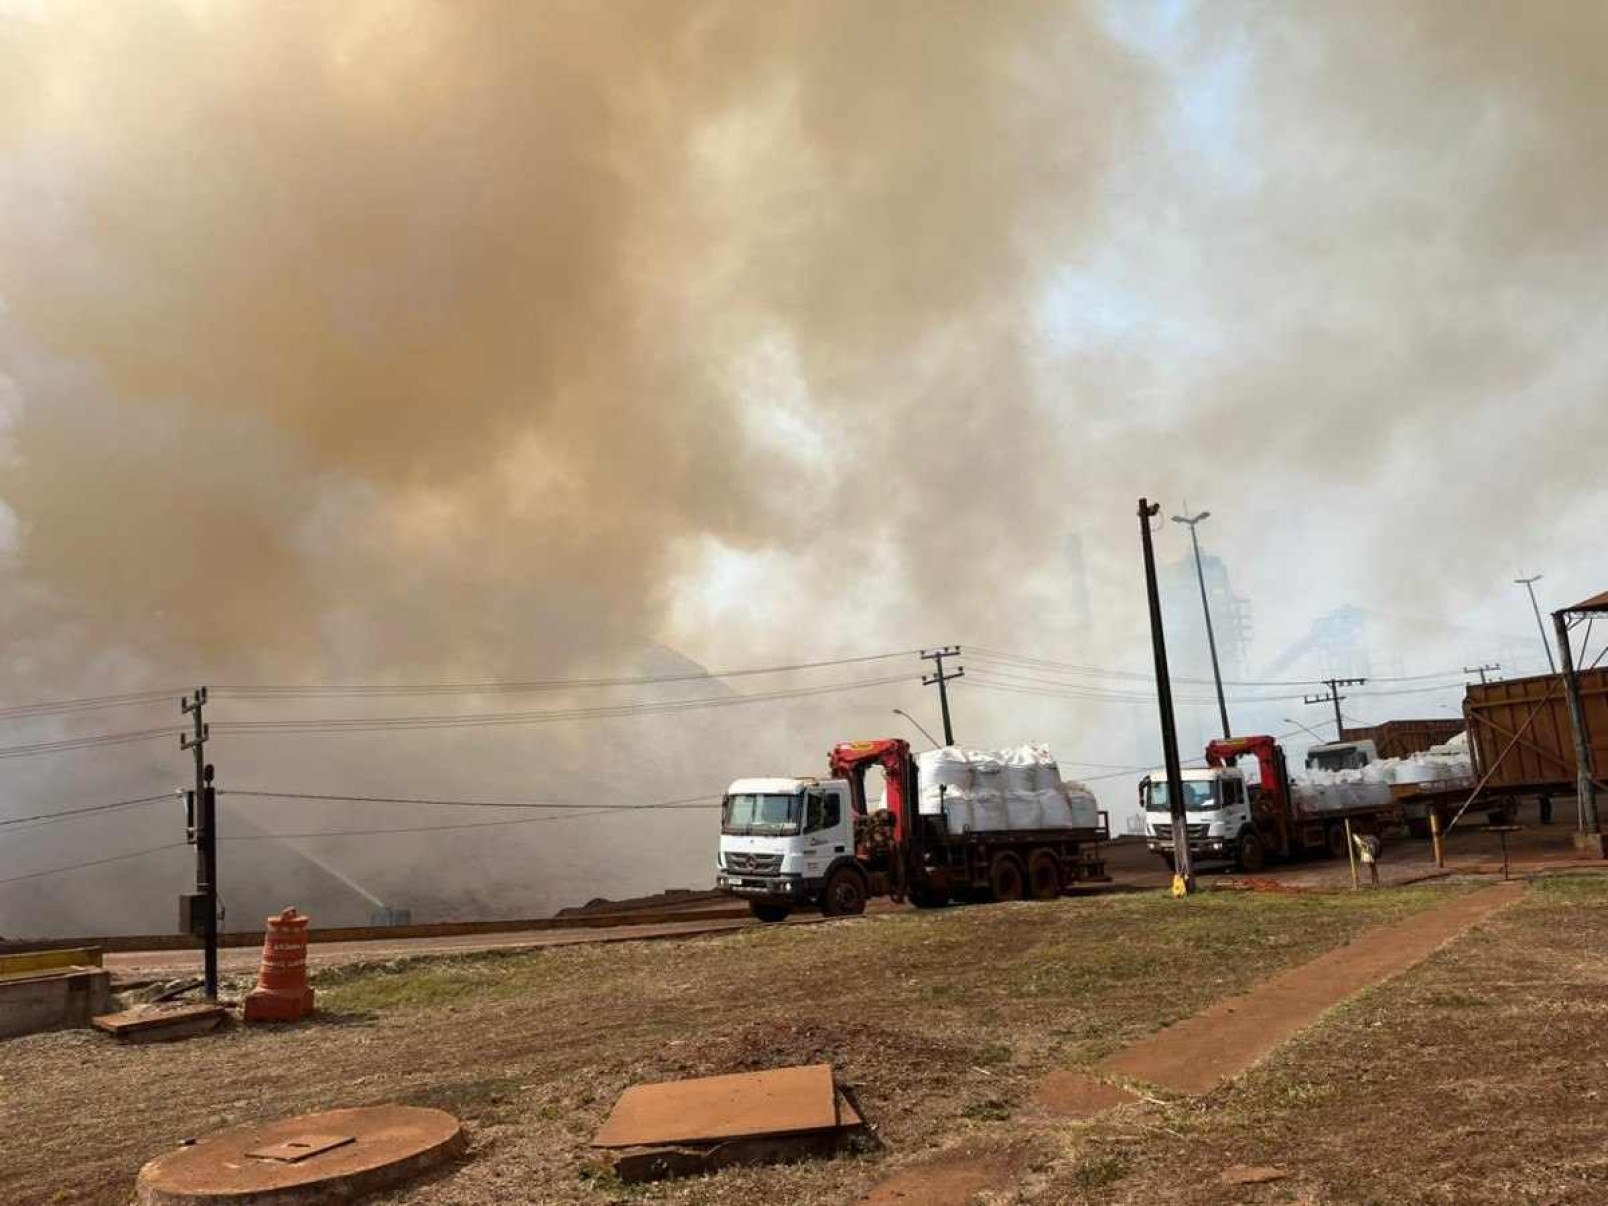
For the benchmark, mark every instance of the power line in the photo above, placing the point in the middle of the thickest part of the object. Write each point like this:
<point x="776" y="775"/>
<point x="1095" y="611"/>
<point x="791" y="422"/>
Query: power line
<point x="485" y="719"/>
<point x="1029" y="662"/>
<point x="581" y="811"/>
<point x="68" y="813"/>
<point x="83" y="743"/>
<point x="99" y="862"/>
<point x="87" y="704"/>
<point x="534" y="685"/>
<point x="686" y="802"/>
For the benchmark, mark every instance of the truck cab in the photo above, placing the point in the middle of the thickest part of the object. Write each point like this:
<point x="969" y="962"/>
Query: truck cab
<point x="1341" y="755"/>
<point x="1217" y="808"/>
<point x="781" y="839"/>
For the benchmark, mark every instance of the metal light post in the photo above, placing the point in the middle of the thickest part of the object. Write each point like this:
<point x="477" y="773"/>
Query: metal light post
<point x="1211" y="637"/>
<point x="918" y="724"/>
<point x="1529" y="585"/>
<point x="1299" y="725"/>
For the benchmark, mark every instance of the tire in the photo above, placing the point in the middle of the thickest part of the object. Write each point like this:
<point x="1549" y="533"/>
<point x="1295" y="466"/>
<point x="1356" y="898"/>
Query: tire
<point x="1250" y="856"/>
<point x="1334" y="839"/>
<point x="843" y="895"/>
<point x="1006" y="879"/>
<point x="769" y="912"/>
<point x="1419" y="828"/>
<point x="1043" y="875"/>
<point x="929" y="896"/>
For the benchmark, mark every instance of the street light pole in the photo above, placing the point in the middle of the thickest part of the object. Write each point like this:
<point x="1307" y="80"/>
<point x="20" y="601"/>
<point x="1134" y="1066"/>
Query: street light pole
<point x="918" y="724"/>
<point x="1299" y="725"/>
<point x="1529" y="585"/>
<point x="1211" y="637"/>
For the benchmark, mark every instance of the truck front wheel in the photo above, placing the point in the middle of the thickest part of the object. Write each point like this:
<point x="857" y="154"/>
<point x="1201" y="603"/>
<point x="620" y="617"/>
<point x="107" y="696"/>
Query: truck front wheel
<point x="768" y="912"/>
<point x="844" y="895"/>
<point x="1005" y="878"/>
<point x="1250" y="856"/>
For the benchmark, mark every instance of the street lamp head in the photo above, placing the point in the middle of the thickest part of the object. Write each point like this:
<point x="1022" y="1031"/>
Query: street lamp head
<point x="1192" y="520"/>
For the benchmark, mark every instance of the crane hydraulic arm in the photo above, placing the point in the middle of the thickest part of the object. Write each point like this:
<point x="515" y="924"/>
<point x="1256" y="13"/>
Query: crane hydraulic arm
<point x="852" y="759"/>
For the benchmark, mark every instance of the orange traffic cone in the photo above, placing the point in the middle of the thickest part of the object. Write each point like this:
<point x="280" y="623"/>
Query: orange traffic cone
<point x="282" y="994"/>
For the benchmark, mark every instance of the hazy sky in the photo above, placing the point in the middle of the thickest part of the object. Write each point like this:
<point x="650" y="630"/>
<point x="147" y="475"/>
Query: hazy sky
<point x="397" y="341"/>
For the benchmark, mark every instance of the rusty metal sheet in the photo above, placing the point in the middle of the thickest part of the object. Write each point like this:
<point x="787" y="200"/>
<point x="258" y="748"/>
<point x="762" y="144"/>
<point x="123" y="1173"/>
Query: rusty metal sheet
<point x="779" y="1102"/>
<point x="300" y="1147"/>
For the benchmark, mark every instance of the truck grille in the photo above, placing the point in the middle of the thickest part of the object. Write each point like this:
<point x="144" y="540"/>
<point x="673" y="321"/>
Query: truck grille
<point x="753" y="864"/>
<point x="1194" y="832"/>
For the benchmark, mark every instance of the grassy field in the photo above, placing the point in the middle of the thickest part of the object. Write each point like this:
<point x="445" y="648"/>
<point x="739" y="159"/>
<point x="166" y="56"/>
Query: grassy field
<point x="1477" y="1077"/>
<point x="941" y="1023"/>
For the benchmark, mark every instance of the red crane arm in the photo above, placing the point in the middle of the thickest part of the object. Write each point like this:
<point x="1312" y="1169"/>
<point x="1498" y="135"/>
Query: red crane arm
<point x="850" y="761"/>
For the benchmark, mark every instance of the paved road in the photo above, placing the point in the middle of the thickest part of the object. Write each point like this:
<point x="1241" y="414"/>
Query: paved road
<point x="173" y="964"/>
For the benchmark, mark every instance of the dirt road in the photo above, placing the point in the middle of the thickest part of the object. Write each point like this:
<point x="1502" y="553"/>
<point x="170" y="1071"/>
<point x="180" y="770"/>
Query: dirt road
<point x="242" y="960"/>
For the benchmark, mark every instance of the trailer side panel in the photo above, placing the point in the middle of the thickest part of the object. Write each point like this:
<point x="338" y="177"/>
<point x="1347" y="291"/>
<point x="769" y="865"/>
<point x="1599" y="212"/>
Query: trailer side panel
<point x="1519" y="731"/>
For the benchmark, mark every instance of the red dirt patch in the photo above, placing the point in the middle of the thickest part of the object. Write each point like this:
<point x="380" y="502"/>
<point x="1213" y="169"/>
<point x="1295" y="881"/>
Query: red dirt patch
<point x="1198" y="1053"/>
<point x="951" y="1179"/>
<point x="1068" y="1093"/>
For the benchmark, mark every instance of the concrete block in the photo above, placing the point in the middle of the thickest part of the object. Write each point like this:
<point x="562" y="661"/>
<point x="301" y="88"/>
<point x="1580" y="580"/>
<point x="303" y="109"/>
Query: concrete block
<point x="1592" y="845"/>
<point x="53" y="1000"/>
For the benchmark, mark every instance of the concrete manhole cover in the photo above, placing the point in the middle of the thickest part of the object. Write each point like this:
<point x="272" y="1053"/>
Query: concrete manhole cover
<point x="335" y="1156"/>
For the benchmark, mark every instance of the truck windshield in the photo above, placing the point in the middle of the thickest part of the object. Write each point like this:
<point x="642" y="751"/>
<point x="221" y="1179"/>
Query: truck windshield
<point x="754" y="813"/>
<point x="1200" y="795"/>
<point x="1347" y="757"/>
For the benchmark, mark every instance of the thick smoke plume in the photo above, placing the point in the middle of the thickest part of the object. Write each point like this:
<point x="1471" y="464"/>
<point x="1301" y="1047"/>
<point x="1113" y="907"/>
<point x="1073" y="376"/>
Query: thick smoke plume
<point x="406" y="341"/>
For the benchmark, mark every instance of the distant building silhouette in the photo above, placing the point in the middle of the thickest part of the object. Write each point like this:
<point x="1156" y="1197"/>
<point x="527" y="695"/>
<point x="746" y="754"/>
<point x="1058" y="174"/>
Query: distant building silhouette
<point x="1187" y="650"/>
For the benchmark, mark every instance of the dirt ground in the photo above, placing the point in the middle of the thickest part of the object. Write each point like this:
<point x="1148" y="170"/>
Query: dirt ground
<point x="941" y="1023"/>
<point x="1476" y="1077"/>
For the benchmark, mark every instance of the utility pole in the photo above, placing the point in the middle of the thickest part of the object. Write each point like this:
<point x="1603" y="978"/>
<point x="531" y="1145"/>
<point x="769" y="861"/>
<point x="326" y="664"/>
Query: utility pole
<point x="1481" y="670"/>
<point x="942" y="680"/>
<point x="1585" y="785"/>
<point x="205" y="815"/>
<point x="1184" y="872"/>
<point x="1206" y="608"/>
<point x="1334" y="697"/>
<point x="1529" y="585"/>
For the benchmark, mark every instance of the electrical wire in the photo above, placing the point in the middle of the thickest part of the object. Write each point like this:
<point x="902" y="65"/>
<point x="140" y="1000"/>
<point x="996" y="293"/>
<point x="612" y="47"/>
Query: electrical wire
<point x="489" y="688"/>
<point x="581" y="811"/>
<point x="99" y="862"/>
<point x="978" y="652"/>
<point x="84" y="743"/>
<point x="1089" y="691"/>
<point x="326" y="797"/>
<point x="88" y="704"/>
<point x="68" y="813"/>
<point x="486" y="719"/>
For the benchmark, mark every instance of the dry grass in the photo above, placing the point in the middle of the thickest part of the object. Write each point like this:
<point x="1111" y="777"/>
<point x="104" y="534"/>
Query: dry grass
<point x="1476" y="1077"/>
<point x="941" y="1022"/>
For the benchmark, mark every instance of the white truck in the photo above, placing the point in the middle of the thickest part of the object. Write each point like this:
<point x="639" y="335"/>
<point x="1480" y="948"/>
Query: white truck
<point x="938" y="834"/>
<point x="1227" y="817"/>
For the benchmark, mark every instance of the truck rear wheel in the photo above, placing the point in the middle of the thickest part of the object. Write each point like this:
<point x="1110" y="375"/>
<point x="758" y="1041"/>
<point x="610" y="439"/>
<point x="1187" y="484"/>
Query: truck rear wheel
<point x="768" y="912"/>
<point x="1006" y="880"/>
<point x="844" y="895"/>
<point x="929" y="896"/>
<point x="1334" y="838"/>
<point x="1044" y="875"/>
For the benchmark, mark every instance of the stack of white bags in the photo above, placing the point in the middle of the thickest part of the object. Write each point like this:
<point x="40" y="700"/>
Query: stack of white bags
<point x="990" y="791"/>
<point x="1325" y="791"/>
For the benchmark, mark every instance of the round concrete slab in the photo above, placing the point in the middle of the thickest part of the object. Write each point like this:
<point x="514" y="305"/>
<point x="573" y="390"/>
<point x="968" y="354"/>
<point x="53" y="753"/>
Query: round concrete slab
<point x="335" y="1156"/>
